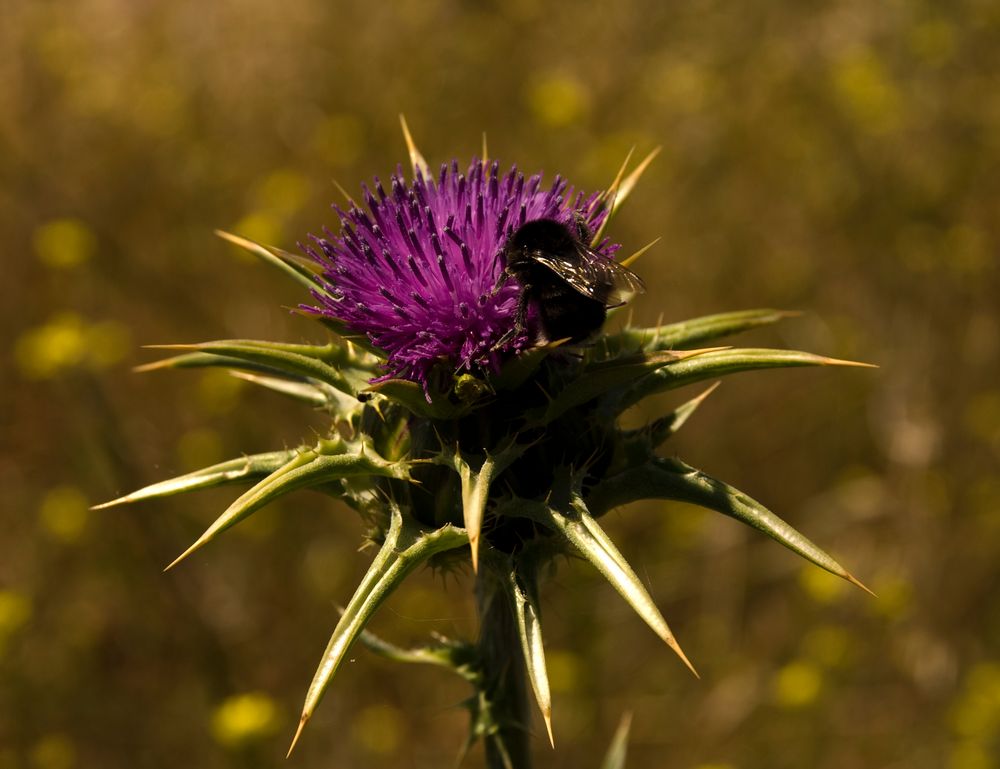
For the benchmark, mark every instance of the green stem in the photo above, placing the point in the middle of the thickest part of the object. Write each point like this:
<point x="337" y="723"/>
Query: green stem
<point x="504" y="676"/>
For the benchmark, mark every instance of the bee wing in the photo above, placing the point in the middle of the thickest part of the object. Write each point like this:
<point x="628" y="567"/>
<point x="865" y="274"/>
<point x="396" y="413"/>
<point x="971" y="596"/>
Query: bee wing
<point x="593" y="275"/>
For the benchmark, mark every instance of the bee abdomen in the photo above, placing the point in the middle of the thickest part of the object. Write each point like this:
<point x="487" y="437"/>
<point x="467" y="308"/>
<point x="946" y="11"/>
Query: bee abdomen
<point x="569" y="316"/>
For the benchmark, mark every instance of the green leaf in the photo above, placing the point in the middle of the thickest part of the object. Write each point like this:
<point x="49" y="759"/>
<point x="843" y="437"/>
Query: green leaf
<point x="336" y="327"/>
<point x="520" y="582"/>
<point x="518" y="369"/>
<point x="301" y="387"/>
<point x="615" y="759"/>
<point x="580" y="529"/>
<point x="672" y="479"/>
<point x="412" y="397"/>
<point x="659" y="430"/>
<point x="406" y="546"/>
<point x="719" y="363"/>
<point x="300" y="391"/>
<point x="287" y="263"/>
<point x="245" y="468"/>
<point x="694" y="331"/>
<point x="597" y="379"/>
<point x="294" y="360"/>
<point x="460" y="657"/>
<point x="306" y="469"/>
<point x="211" y="360"/>
<point x="476" y="484"/>
<point x="306" y="273"/>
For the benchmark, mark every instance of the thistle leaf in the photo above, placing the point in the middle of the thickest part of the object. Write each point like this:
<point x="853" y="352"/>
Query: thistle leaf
<point x="597" y="379"/>
<point x="719" y="363"/>
<point x="303" y="388"/>
<point x="694" y="331"/>
<point x="406" y="546"/>
<point x="245" y="468"/>
<point x="294" y="360"/>
<point x="663" y="428"/>
<point x="516" y="371"/>
<point x="211" y="360"/>
<point x="659" y="430"/>
<point x="615" y="758"/>
<point x="288" y="263"/>
<point x="580" y="529"/>
<point x="522" y="589"/>
<point x="301" y="391"/>
<point x="672" y="479"/>
<point x="411" y="396"/>
<point x="306" y="468"/>
<point x="476" y="485"/>
<point x="459" y="657"/>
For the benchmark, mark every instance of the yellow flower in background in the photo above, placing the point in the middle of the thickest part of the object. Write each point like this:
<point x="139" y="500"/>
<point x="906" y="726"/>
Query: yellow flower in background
<point x="15" y="611"/>
<point x="244" y="718"/>
<point x="557" y="100"/>
<point x="64" y="513"/>
<point x="64" y="243"/>
<point x="65" y="341"/>
<point x="797" y="684"/>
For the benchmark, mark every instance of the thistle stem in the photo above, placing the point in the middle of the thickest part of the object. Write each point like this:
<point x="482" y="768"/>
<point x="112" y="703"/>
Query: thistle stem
<point x="504" y="676"/>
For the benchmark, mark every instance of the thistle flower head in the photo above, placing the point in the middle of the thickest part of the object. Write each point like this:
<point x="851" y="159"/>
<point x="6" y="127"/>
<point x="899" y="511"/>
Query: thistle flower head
<point x="416" y="270"/>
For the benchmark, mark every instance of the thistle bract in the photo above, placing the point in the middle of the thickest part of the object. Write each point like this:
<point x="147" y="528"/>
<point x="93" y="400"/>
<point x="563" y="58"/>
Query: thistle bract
<point x="458" y="440"/>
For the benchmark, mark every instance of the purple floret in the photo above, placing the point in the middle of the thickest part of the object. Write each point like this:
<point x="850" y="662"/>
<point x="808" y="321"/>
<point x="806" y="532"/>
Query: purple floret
<point x="416" y="272"/>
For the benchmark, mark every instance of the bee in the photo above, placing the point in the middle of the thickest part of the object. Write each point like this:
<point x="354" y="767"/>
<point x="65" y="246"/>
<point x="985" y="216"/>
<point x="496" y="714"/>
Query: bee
<point x="570" y="285"/>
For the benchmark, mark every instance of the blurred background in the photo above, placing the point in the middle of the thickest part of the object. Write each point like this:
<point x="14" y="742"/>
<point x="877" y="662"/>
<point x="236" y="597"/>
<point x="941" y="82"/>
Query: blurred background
<point x="837" y="158"/>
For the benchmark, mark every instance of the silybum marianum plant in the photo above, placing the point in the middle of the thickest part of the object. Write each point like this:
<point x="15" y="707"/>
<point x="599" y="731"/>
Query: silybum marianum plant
<point x="473" y="408"/>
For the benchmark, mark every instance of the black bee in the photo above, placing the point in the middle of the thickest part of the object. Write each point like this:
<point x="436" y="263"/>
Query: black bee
<point x="570" y="285"/>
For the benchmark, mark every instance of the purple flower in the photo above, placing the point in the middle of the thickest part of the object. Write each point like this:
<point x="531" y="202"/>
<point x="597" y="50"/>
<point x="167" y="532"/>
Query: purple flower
<point x="416" y="271"/>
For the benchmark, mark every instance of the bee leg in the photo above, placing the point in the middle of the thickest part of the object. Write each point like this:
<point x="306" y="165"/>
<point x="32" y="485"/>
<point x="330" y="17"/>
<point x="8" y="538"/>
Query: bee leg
<point x="501" y="280"/>
<point x="520" y="319"/>
<point x="582" y="230"/>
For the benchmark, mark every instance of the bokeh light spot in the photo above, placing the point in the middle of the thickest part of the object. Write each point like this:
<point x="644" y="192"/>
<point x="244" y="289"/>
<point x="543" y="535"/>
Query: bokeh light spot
<point x="282" y="192"/>
<point x="244" y="718"/>
<point x="867" y="92"/>
<point x="821" y="585"/>
<point x="557" y="100"/>
<point x="64" y="243"/>
<point x="45" y="351"/>
<point x="15" y="611"/>
<point x="64" y="513"/>
<point x="797" y="684"/>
